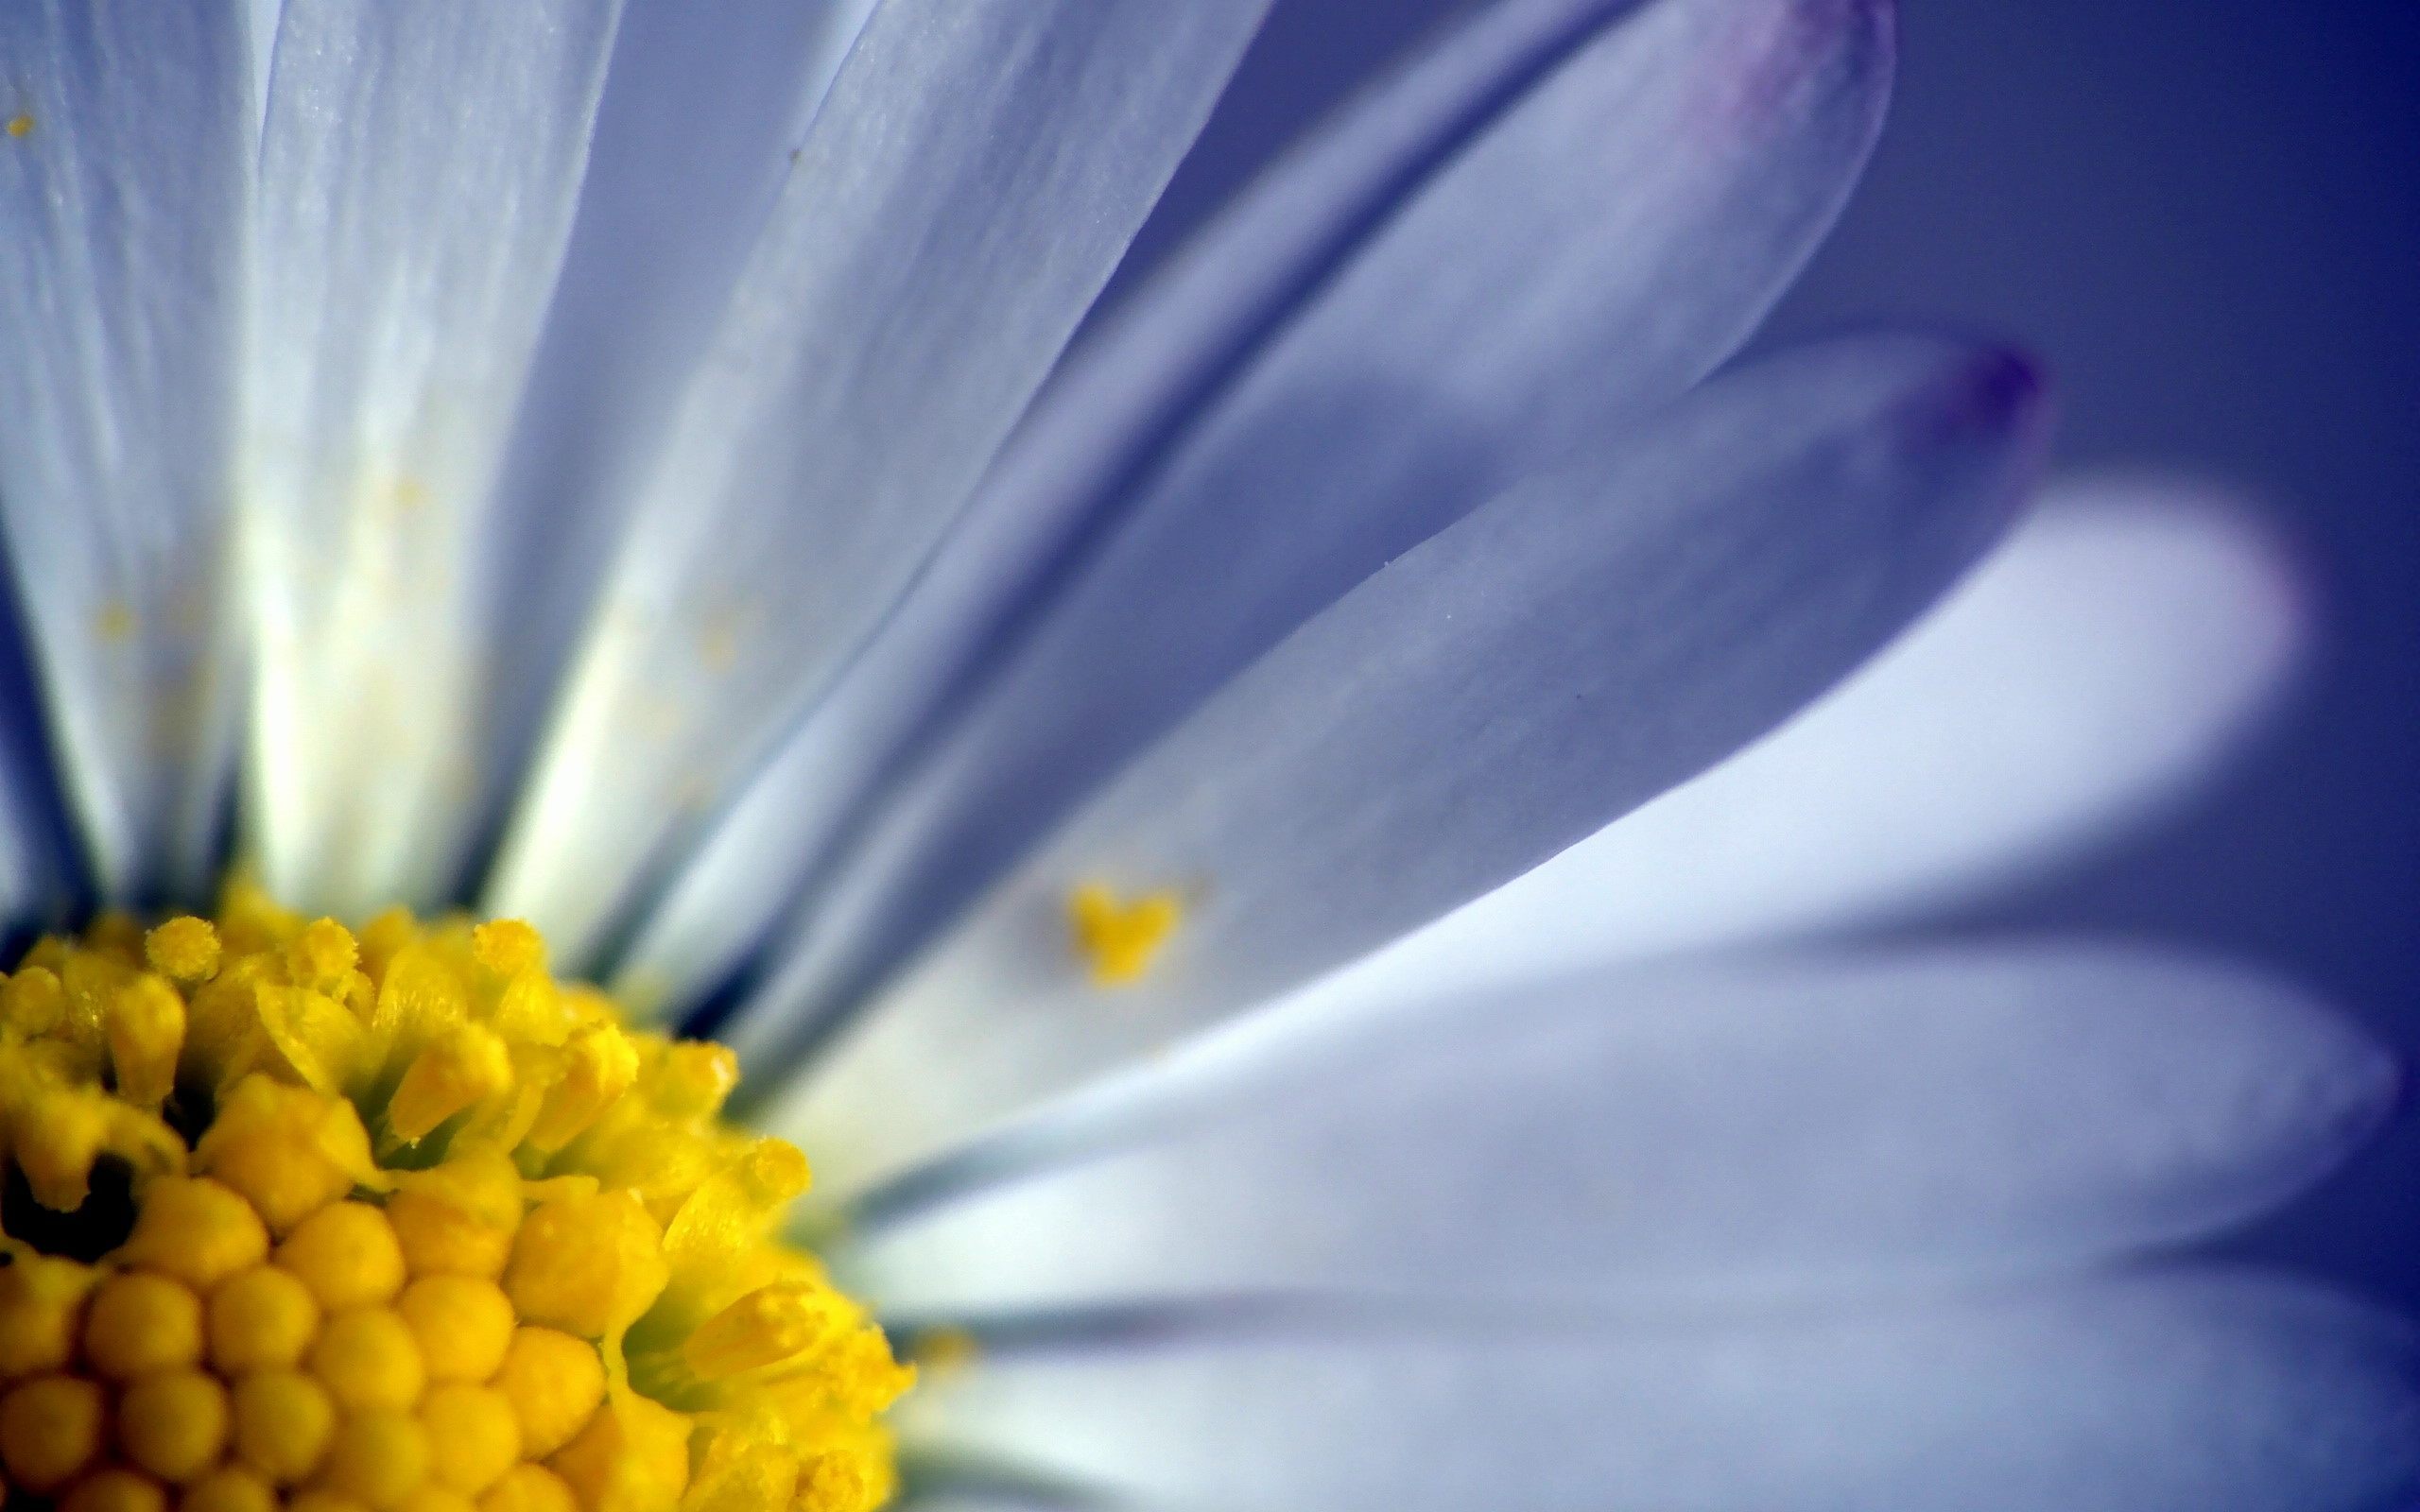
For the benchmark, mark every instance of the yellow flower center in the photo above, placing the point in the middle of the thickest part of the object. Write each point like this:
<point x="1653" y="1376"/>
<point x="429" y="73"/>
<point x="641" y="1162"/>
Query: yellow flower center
<point x="300" y="1216"/>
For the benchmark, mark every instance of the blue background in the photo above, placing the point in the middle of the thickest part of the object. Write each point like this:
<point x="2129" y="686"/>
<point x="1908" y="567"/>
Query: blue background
<point x="2203" y="215"/>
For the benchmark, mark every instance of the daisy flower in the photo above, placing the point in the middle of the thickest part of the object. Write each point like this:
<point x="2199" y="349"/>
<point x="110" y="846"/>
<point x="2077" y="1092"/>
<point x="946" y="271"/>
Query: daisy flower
<point x="1270" y="872"/>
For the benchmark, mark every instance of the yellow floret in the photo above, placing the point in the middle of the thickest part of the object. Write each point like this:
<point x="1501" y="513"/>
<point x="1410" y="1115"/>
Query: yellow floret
<point x="196" y="1230"/>
<point x="347" y="1254"/>
<point x="50" y="1428"/>
<point x="259" y="1319"/>
<point x="174" y="1424"/>
<point x="284" y="1420"/>
<point x="368" y="1358"/>
<point x="447" y="1235"/>
<point x="462" y="1325"/>
<point x="139" y="1322"/>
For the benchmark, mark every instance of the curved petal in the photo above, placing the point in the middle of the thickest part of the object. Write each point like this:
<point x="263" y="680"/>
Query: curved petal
<point x="965" y="193"/>
<point x="2103" y="662"/>
<point x="1552" y="660"/>
<point x="419" y="171"/>
<point x="1595" y="207"/>
<point x="1782" y="1127"/>
<point x="124" y="178"/>
<point x="2179" y="1393"/>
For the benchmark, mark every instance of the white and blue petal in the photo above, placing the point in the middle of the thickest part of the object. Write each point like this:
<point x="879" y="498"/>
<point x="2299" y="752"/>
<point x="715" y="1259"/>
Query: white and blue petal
<point x="1566" y="215"/>
<point x="124" y="181"/>
<point x="420" y="168"/>
<point x="2180" y="1392"/>
<point x="2127" y="639"/>
<point x="1507" y="688"/>
<point x="965" y="194"/>
<point x="1787" y="1126"/>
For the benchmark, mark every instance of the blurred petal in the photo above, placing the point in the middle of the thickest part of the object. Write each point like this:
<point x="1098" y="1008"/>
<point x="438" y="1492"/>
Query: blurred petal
<point x="1506" y="688"/>
<point x="418" y="176"/>
<point x="965" y="193"/>
<point x="125" y="197"/>
<point x="1784" y="1126"/>
<point x="2100" y="665"/>
<point x="2180" y="1393"/>
<point x="1566" y="173"/>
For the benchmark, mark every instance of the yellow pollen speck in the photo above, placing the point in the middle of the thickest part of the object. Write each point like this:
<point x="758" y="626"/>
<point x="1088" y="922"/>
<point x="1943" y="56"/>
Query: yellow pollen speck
<point x="403" y="1224"/>
<point x="21" y="125"/>
<point x="943" y="1353"/>
<point x="114" y="621"/>
<point x="1120" y="938"/>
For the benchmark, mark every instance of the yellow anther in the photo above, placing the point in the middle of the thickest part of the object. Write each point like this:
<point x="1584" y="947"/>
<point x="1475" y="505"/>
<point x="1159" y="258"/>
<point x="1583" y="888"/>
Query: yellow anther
<point x="42" y="1312"/>
<point x="467" y="1064"/>
<point x="284" y="1420"/>
<point x="430" y="1497"/>
<point x="316" y="1037"/>
<point x="366" y="1358"/>
<point x="50" y="1428"/>
<point x="21" y="127"/>
<point x="599" y="1065"/>
<point x="114" y="1490"/>
<point x="346" y="1253"/>
<point x="767" y="1327"/>
<point x="554" y="1384"/>
<point x="693" y="1080"/>
<point x="185" y="949"/>
<point x="322" y="955"/>
<point x="529" y="1489"/>
<point x="199" y="1230"/>
<point x="263" y="1318"/>
<point x="633" y="1456"/>
<point x="377" y="1457"/>
<point x="32" y="1001"/>
<point x="147" y="1029"/>
<point x="459" y="1218"/>
<point x="508" y="947"/>
<point x="1120" y="938"/>
<point x="56" y="1146"/>
<point x="139" y="1323"/>
<point x="461" y="1323"/>
<point x="473" y="1436"/>
<point x="289" y="1150"/>
<point x="320" y="1499"/>
<point x="842" y="1483"/>
<point x="174" y="1424"/>
<point x="228" y="1488"/>
<point x="587" y="1265"/>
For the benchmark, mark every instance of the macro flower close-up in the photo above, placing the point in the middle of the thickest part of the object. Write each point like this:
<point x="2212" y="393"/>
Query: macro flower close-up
<point x="683" y="830"/>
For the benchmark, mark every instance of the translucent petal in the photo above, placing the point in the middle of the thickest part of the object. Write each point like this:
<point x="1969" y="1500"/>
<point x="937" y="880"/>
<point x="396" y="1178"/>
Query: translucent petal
<point x="2177" y="1393"/>
<point x="1778" y="1126"/>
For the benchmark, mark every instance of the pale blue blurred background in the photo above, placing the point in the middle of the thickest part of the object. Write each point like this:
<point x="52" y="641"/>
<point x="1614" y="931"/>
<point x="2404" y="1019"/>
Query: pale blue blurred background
<point x="2203" y="214"/>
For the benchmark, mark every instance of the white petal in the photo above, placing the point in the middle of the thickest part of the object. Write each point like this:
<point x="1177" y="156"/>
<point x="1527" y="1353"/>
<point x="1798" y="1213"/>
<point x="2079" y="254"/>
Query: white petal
<point x="963" y="196"/>
<point x="2105" y="659"/>
<point x="2177" y="1394"/>
<point x="120" y="279"/>
<point x="694" y="139"/>
<point x="1569" y="212"/>
<point x="1784" y="1126"/>
<point x="1553" y="660"/>
<point x="418" y="176"/>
